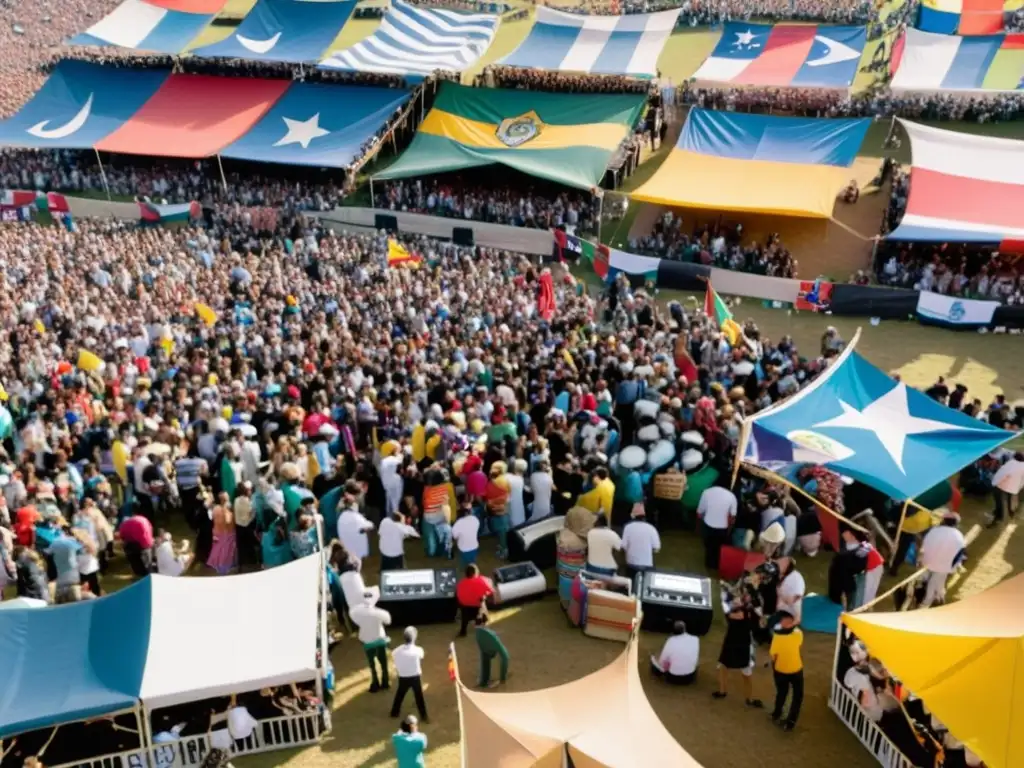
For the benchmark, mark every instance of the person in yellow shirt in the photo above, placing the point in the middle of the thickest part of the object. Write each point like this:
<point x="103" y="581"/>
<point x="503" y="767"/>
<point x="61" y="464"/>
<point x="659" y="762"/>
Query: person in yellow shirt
<point x="788" y="668"/>
<point x="601" y="497"/>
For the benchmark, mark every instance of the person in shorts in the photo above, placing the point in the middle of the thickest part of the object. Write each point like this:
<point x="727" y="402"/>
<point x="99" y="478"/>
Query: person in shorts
<point x="738" y="651"/>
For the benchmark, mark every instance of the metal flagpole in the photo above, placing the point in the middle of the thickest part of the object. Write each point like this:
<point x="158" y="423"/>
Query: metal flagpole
<point x="600" y="213"/>
<point x="223" y="178"/>
<point x="103" y="174"/>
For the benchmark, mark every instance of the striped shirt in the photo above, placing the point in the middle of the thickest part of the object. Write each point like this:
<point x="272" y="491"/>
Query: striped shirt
<point x="188" y="471"/>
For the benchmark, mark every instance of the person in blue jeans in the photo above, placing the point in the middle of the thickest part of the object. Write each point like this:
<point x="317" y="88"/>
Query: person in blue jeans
<point x="410" y="744"/>
<point x="466" y="535"/>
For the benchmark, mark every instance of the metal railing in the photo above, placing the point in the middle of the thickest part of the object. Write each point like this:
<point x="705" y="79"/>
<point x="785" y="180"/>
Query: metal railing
<point x="284" y="732"/>
<point x="845" y="705"/>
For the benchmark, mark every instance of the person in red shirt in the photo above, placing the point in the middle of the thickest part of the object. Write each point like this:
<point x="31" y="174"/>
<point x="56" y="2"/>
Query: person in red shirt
<point x="471" y="593"/>
<point x="25" y="526"/>
<point x="137" y="537"/>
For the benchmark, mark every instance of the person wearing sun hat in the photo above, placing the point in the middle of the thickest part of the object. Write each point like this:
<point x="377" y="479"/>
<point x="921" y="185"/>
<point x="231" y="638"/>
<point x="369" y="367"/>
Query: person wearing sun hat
<point x="496" y="497"/>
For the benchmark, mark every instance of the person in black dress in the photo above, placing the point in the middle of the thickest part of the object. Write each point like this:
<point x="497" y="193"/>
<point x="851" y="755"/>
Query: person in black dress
<point x="738" y="649"/>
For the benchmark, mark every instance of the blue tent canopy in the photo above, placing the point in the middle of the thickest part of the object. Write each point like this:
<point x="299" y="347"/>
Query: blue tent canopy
<point x="72" y="662"/>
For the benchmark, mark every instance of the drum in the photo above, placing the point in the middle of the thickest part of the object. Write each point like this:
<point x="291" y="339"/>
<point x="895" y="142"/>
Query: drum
<point x="693" y="438"/>
<point x="649" y="434"/>
<point x="661" y="454"/>
<point x="667" y="427"/>
<point x="632" y="457"/>
<point x="646" y="409"/>
<point x="692" y="458"/>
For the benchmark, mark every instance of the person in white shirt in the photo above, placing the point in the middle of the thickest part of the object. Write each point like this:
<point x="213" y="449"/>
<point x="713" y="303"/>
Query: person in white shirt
<point x="516" y="485"/>
<point x="791" y="588"/>
<point x="392" y="480"/>
<point x="602" y="542"/>
<point x="371" y="621"/>
<point x="541" y="486"/>
<point x="352" y="528"/>
<point x="717" y="512"/>
<point x="465" y="534"/>
<point x="942" y="550"/>
<point x="393" y="532"/>
<point x="640" y="541"/>
<point x="170" y="562"/>
<point x="1007" y="483"/>
<point x="407" y="658"/>
<point x="678" y="660"/>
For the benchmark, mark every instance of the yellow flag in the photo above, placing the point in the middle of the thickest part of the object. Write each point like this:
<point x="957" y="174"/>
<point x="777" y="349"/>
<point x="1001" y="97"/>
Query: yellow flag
<point x="398" y="255"/>
<point x="38" y="325"/>
<point x="206" y="314"/>
<point x="168" y="344"/>
<point x="87" y="361"/>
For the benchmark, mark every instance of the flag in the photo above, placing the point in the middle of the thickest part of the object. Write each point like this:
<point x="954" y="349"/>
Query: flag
<point x="89" y="362"/>
<point x="568" y="138"/>
<point x="206" y="314"/>
<point x="788" y="166"/>
<point x="715" y="307"/>
<point x="797" y="55"/>
<point x="935" y="62"/>
<point x="399" y="255"/>
<point x="963" y="17"/>
<point x="38" y="325"/>
<point x="857" y="421"/>
<point x="546" y="296"/>
<point x="167" y="344"/>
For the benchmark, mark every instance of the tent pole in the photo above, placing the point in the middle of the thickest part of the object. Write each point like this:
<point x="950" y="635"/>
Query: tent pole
<point x="223" y="178"/>
<point x="147" y="735"/>
<point x="103" y="174"/>
<point x="600" y="213"/>
<point x="899" y="532"/>
<point x="911" y="578"/>
<point x="463" y="761"/>
<point x="771" y="476"/>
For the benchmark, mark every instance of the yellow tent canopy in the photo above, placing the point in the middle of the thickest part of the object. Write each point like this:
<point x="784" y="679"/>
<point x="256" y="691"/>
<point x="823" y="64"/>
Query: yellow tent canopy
<point x="604" y="721"/>
<point x="965" y="660"/>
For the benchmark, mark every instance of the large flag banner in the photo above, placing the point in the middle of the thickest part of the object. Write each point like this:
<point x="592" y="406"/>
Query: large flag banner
<point x="415" y="41"/>
<point x="932" y="62"/>
<point x="964" y="17"/>
<point x="606" y="45"/>
<point x="157" y="26"/>
<point x="175" y="213"/>
<point x="566" y="138"/>
<point x="939" y="309"/>
<point x="715" y="307"/>
<point x="857" y="421"/>
<point x="799" y="55"/>
<point x="964" y="188"/>
<point x="284" y="30"/>
<point x="80" y="104"/>
<point x="790" y="166"/>
<point x="194" y="116"/>
<point x="318" y="124"/>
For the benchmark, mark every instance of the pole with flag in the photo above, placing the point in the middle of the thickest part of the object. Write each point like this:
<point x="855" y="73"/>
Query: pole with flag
<point x="715" y="308"/>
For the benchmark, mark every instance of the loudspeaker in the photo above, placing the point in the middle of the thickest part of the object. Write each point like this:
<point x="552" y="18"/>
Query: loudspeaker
<point x="462" y="236"/>
<point x="385" y="221"/>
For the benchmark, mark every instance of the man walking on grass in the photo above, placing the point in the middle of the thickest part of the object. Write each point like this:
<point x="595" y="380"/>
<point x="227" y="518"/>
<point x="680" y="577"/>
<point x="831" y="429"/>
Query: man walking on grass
<point x="490" y="645"/>
<point x="788" y="668"/>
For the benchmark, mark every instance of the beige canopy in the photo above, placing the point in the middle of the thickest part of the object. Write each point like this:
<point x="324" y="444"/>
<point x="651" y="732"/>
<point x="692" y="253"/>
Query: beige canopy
<point x="604" y="721"/>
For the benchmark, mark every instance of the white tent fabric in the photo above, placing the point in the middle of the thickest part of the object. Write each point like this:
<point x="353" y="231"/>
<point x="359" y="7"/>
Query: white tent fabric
<point x="217" y="636"/>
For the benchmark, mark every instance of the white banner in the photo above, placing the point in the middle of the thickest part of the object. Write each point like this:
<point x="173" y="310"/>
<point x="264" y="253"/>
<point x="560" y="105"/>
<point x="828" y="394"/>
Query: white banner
<point x="950" y="310"/>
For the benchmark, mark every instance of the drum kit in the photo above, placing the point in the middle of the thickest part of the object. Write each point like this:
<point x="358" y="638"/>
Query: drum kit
<point x="656" y="444"/>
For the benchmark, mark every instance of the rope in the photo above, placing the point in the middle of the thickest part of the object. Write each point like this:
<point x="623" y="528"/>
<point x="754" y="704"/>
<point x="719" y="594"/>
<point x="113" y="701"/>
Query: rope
<point x="852" y="231"/>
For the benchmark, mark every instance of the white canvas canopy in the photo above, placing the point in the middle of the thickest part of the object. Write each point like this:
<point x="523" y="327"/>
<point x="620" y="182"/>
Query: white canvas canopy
<point x="217" y="636"/>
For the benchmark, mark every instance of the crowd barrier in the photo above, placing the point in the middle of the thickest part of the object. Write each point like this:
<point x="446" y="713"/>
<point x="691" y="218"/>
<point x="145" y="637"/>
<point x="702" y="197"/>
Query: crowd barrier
<point x="845" y="705"/>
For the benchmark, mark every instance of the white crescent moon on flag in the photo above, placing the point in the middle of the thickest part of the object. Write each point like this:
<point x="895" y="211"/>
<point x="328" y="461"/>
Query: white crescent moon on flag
<point x="258" y="46"/>
<point x="837" y="52"/>
<point x="70" y="127"/>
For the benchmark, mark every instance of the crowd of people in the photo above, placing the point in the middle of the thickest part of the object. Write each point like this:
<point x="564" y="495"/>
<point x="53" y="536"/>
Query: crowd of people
<point x="714" y="245"/>
<point x="496" y="76"/>
<point x="700" y="13"/>
<point x="531" y="205"/>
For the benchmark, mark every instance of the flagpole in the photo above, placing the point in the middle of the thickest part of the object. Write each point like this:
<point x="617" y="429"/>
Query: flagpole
<point x="103" y="174"/>
<point x="223" y="178"/>
<point x="600" y="215"/>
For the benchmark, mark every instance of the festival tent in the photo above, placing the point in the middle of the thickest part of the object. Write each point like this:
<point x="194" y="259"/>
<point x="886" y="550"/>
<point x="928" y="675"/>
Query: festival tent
<point x="152" y="642"/>
<point x="964" y="17"/>
<point x="318" y="124"/>
<point x="72" y="662"/>
<point x="963" y="187"/>
<point x="157" y="26"/>
<point x="857" y="421"/>
<point x="566" y="138"/>
<point x="283" y="30"/>
<point x="537" y="729"/>
<point x="272" y="616"/>
<point x="603" y="45"/>
<point x="789" y="166"/>
<point x="414" y="41"/>
<point x="79" y="105"/>
<point x="931" y="62"/>
<point x="798" y="55"/>
<point x="965" y="660"/>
